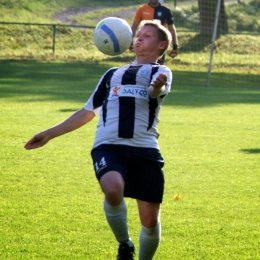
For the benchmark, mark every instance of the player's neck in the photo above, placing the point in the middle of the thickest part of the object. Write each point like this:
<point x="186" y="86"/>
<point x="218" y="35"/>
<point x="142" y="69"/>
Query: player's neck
<point x="154" y="5"/>
<point x="144" y="60"/>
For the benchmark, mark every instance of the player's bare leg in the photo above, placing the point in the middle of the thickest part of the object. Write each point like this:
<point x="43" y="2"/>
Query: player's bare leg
<point x="151" y="229"/>
<point x="115" y="209"/>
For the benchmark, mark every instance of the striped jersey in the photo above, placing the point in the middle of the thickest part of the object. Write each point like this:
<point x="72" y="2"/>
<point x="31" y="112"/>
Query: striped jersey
<point x="128" y="115"/>
<point x="160" y="12"/>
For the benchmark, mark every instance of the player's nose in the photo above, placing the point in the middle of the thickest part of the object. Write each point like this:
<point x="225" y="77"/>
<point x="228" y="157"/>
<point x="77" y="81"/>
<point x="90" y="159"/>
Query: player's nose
<point x="140" y="38"/>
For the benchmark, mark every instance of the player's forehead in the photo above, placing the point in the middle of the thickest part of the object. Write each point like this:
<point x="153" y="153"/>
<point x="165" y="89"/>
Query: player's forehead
<point x="147" y="29"/>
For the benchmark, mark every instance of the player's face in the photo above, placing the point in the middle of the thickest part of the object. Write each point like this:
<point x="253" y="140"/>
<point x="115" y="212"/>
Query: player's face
<point x="154" y="2"/>
<point x="147" y="41"/>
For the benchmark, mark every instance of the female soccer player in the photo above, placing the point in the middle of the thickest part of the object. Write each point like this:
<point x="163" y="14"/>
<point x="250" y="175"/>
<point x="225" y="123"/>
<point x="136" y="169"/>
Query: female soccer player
<point x="126" y="155"/>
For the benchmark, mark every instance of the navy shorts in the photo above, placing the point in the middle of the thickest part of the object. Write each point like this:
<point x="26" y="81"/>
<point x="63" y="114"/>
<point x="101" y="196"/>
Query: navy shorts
<point x="141" y="169"/>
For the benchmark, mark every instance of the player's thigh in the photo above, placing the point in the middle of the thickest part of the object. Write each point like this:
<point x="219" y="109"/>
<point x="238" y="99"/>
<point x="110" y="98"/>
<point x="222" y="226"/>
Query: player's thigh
<point x="112" y="183"/>
<point x="106" y="159"/>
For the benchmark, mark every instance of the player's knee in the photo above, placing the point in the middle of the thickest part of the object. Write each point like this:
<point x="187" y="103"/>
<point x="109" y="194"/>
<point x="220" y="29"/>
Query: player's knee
<point x="112" y="185"/>
<point x="150" y="221"/>
<point x="154" y="232"/>
<point x="114" y="194"/>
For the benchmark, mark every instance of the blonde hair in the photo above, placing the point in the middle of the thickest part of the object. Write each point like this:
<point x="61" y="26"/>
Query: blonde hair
<point x="163" y="33"/>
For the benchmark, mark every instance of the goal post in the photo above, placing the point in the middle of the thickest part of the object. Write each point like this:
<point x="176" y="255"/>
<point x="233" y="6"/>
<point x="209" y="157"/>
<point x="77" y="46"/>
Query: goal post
<point x="214" y="34"/>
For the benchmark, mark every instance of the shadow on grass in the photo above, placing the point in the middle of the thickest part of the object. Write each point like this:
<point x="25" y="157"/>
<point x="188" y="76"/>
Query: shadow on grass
<point x="197" y="43"/>
<point x="66" y="110"/>
<point x="27" y="81"/>
<point x="251" y="151"/>
<point x="36" y="80"/>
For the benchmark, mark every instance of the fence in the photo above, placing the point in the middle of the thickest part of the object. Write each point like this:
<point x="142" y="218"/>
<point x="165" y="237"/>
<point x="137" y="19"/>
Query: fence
<point x="236" y="60"/>
<point x="53" y="26"/>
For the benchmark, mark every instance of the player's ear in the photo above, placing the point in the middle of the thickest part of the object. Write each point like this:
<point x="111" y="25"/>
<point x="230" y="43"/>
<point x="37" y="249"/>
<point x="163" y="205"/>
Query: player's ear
<point x="163" y="45"/>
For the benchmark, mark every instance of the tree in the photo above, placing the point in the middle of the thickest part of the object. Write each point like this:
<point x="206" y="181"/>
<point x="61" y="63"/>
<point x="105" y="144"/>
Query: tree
<point x="207" y="9"/>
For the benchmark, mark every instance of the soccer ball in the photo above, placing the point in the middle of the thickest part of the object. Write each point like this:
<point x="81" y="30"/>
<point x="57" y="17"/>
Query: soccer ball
<point x="113" y="36"/>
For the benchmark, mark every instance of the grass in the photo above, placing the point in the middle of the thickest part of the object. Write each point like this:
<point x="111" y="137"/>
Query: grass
<point x="92" y="18"/>
<point x="51" y="204"/>
<point x="44" y="10"/>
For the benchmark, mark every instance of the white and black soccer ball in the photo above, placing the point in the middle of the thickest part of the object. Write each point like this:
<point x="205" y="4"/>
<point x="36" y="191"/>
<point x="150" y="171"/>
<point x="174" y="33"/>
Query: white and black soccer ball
<point x="113" y="36"/>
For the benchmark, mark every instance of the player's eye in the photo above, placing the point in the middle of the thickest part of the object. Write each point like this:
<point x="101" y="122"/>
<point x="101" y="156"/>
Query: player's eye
<point x="143" y="35"/>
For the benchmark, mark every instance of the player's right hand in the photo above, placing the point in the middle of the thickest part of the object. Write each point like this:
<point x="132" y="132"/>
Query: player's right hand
<point x="37" y="141"/>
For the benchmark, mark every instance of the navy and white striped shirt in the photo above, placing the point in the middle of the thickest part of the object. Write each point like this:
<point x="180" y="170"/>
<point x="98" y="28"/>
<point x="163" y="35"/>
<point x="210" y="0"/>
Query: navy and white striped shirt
<point x="128" y="115"/>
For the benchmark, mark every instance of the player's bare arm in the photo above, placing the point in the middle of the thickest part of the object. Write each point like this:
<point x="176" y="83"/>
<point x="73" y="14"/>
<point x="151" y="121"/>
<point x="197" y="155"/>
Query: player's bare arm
<point x="75" y="121"/>
<point x="173" y="32"/>
<point x="134" y="28"/>
<point x="174" y="52"/>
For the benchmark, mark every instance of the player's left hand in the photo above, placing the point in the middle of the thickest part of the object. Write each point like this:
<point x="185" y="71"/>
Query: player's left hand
<point x="131" y="47"/>
<point x="174" y="52"/>
<point x="159" y="81"/>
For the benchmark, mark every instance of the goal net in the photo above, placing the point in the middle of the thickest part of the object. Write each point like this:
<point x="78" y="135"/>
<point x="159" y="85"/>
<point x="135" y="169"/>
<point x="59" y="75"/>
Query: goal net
<point x="224" y="57"/>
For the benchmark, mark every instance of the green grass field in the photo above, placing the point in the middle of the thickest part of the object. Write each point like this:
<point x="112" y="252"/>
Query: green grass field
<point x="51" y="203"/>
